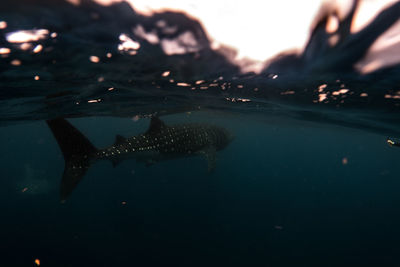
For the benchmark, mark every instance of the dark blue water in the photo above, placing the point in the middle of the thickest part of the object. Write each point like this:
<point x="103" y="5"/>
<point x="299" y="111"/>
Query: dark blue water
<point x="308" y="180"/>
<point x="280" y="195"/>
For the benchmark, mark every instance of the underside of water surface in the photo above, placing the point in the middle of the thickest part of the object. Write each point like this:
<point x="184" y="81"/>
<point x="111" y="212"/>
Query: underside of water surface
<point x="65" y="60"/>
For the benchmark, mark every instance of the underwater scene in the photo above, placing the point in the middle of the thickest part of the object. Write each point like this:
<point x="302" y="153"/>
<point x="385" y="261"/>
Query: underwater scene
<point x="137" y="138"/>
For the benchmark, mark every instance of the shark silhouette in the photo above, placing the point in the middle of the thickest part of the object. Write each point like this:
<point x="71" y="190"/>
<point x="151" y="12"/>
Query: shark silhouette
<point x="160" y="142"/>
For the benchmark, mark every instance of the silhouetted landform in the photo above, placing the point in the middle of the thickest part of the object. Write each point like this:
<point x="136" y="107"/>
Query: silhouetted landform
<point x="94" y="60"/>
<point x="336" y="52"/>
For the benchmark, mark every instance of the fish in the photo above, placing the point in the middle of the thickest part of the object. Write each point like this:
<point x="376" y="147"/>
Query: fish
<point x="159" y="142"/>
<point x="392" y="142"/>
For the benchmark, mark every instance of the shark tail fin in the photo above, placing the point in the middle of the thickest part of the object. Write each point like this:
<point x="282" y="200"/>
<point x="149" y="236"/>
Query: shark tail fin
<point x="76" y="149"/>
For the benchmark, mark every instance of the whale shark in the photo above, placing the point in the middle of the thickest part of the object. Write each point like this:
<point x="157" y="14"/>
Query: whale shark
<point x="159" y="142"/>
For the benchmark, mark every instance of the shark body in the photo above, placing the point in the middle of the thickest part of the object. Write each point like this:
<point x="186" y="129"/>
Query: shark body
<point x="160" y="142"/>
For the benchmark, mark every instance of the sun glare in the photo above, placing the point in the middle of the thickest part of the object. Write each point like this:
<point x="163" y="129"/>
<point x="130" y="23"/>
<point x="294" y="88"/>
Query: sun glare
<point x="257" y="29"/>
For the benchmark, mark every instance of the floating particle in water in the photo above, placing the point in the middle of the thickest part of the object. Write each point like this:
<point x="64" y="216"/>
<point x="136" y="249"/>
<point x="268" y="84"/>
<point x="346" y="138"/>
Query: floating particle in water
<point x="37" y="262"/>
<point x="136" y="118"/>
<point x="5" y="51"/>
<point x="109" y="55"/>
<point x="36" y="78"/>
<point x="321" y="97"/>
<point x="322" y="87"/>
<point x="25" y="46"/>
<point x="16" y="62"/>
<point x="100" y="79"/>
<point x="278" y="227"/>
<point x="288" y="93"/>
<point x="183" y="84"/>
<point x="166" y="73"/>
<point x="387" y="96"/>
<point x="3" y="25"/>
<point x="123" y="202"/>
<point x="200" y="82"/>
<point x="111" y="88"/>
<point x="38" y="48"/>
<point x="340" y="92"/>
<point x="24" y="189"/>
<point x="391" y="142"/>
<point x="345" y="161"/>
<point x="363" y="95"/>
<point x="94" y="100"/>
<point x="94" y="59"/>
<point x="53" y="35"/>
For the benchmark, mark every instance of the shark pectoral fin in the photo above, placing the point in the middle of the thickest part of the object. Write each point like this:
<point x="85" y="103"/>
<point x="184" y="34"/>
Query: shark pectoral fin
<point x="210" y="153"/>
<point x="115" y="162"/>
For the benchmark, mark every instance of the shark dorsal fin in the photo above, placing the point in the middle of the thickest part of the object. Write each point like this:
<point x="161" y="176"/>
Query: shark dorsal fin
<point x="119" y="139"/>
<point x="155" y="125"/>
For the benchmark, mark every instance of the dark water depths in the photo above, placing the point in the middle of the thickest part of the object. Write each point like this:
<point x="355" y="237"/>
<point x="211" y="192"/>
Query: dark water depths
<point x="309" y="179"/>
<point x="281" y="195"/>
